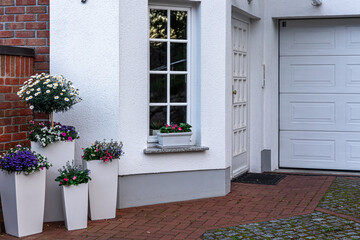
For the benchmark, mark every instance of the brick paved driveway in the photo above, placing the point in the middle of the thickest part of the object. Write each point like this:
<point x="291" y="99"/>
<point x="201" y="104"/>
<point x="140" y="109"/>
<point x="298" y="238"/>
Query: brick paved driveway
<point x="247" y="203"/>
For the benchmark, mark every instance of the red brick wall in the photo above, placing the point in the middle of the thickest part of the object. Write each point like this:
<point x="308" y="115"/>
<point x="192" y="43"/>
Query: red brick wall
<point x="26" y="23"/>
<point x="14" y="113"/>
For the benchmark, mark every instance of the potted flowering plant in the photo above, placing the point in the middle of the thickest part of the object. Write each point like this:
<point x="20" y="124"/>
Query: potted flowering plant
<point x="48" y="94"/>
<point x="74" y="184"/>
<point x="23" y="191"/>
<point x="174" y="136"/>
<point x="102" y="158"/>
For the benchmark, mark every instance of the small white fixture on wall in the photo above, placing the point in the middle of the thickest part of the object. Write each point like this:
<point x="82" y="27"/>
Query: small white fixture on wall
<point x="316" y="2"/>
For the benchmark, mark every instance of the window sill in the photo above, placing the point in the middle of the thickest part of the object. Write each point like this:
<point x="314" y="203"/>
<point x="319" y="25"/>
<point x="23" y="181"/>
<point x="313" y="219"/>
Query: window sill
<point x="155" y="150"/>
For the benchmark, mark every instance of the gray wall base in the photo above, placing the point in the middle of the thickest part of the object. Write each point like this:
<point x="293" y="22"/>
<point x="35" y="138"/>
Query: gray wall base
<point x="147" y="189"/>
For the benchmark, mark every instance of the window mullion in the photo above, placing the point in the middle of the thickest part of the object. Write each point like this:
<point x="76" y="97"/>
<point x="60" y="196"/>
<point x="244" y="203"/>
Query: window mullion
<point x="168" y="69"/>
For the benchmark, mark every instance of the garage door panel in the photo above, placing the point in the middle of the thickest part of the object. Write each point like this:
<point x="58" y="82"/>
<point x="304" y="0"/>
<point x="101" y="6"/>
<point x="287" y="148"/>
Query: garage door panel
<point x="320" y="112"/>
<point x="319" y="74"/>
<point x="320" y="150"/>
<point x="320" y="37"/>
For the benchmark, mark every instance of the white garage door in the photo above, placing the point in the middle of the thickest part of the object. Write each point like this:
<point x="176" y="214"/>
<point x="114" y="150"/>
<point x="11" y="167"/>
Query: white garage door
<point x="320" y="94"/>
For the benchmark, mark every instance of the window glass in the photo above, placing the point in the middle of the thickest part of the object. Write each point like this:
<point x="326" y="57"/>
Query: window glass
<point x="158" y="23"/>
<point x="178" y="57"/>
<point x="177" y="114"/>
<point x="157" y="118"/>
<point x="158" y="88"/>
<point x="158" y="56"/>
<point x="178" y="24"/>
<point x="178" y="88"/>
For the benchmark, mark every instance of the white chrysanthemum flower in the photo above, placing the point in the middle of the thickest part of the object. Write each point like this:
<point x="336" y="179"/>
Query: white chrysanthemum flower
<point x="61" y="94"/>
<point x="30" y="97"/>
<point x="27" y="92"/>
<point x="31" y="89"/>
<point x="71" y="94"/>
<point x="56" y="97"/>
<point x="37" y="94"/>
<point x="50" y="85"/>
<point x="66" y="99"/>
<point x="26" y="99"/>
<point x="39" y="89"/>
<point x="47" y="91"/>
<point x="64" y="90"/>
<point x="31" y="107"/>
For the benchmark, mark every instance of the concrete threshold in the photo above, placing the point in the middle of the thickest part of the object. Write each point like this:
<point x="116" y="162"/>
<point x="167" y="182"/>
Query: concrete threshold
<point x="317" y="172"/>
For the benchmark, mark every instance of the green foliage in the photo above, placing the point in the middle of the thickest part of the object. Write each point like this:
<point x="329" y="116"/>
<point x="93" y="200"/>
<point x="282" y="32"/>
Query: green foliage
<point x="72" y="175"/>
<point x="48" y="93"/>
<point x="181" y="127"/>
<point x="105" y="151"/>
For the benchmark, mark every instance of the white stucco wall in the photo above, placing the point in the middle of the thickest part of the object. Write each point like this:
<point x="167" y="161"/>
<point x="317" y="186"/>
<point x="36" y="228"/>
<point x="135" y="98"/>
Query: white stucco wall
<point x="106" y="56"/>
<point x="85" y="49"/>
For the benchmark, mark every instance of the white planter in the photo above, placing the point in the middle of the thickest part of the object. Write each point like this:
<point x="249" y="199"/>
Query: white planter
<point x="57" y="153"/>
<point x="103" y="188"/>
<point x="174" y="140"/>
<point x="75" y="204"/>
<point x="23" y="199"/>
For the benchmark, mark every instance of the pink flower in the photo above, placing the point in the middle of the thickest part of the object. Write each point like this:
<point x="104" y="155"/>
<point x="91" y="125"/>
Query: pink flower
<point x="65" y="179"/>
<point x="82" y="156"/>
<point x="61" y="183"/>
<point x="42" y="168"/>
<point x="31" y="131"/>
<point x="175" y="125"/>
<point x="167" y="125"/>
<point x="31" y="122"/>
<point x="106" y="160"/>
<point x="41" y="124"/>
<point x="69" y="138"/>
<point x="97" y="150"/>
<point x="63" y="134"/>
<point x="74" y="178"/>
<point x="18" y="145"/>
<point x="180" y="128"/>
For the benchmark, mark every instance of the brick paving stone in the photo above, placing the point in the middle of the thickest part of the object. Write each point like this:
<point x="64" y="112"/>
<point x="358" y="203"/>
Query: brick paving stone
<point x="246" y="203"/>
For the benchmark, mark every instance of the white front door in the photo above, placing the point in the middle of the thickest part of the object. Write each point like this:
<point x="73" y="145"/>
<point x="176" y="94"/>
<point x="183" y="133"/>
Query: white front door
<point x="240" y="161"/>
<point x="320" y="94"/>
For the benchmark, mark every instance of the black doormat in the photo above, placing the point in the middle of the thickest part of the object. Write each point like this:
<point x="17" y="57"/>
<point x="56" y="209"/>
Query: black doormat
<point x="260" y="178"/>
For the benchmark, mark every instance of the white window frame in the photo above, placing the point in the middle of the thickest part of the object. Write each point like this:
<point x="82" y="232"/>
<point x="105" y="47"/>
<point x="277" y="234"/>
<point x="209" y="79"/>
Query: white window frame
<point x="168" y="72"/>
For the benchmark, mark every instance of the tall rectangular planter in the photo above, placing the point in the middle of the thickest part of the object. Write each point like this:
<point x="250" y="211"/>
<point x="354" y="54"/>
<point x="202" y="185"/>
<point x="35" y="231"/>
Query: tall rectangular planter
<point x="174" y="140"/>
<point x="23" y="200"/>
<point x="103" y="188"/>
<point x="75" y="204"/>
<point x="57" y="153"/>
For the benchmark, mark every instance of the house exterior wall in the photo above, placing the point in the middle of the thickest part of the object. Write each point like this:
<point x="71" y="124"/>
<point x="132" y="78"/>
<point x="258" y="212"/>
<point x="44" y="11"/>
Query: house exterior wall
<point x="102" y="46"/>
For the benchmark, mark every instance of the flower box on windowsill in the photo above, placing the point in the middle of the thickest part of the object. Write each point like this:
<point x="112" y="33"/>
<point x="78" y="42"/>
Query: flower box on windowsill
<point x="174" y="140"/>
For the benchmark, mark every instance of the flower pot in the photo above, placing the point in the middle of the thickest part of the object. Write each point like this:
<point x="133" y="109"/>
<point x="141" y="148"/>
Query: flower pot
<point x="57" y="153"/>
<point x="23" y="199"/>
<point x="103" y="188"/>
<point x="75" y="205"/>
<point x="174" y="140"/>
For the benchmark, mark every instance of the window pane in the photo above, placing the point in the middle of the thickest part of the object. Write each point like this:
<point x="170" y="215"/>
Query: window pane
<point x="157" y="118"/>
<point x="178" y="56"/>
<point x="157" y="88"/>
<point x="178" y="24"/>
<point x="178" y="114"/>
<point x="178" y="88"/>
<point x="158" y="23"/>
<point x="158" y="59"/>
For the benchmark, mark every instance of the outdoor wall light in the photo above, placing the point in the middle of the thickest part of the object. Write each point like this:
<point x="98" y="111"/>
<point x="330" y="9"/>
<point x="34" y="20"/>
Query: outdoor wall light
<point x="83" y="1"/>
<point x="316" y="3"/>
